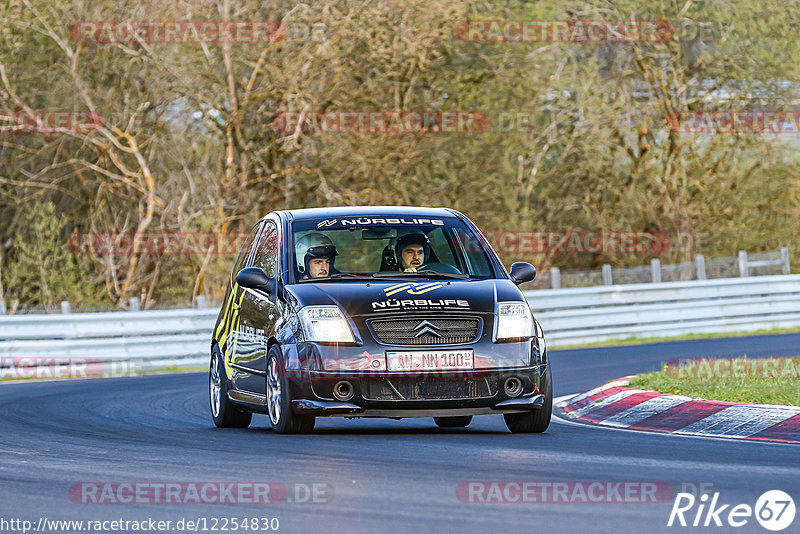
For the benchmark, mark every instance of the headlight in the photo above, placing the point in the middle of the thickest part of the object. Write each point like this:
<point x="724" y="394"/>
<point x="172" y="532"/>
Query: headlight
<point x="514" y="321"/>
<point x="325" y="324"/>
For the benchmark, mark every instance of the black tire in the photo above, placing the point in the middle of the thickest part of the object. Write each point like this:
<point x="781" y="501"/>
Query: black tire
<point x="225" y="413"/>
<point x="453" y="422"/>
<point x="283" y="419"/>
<point x="536" y="421"/>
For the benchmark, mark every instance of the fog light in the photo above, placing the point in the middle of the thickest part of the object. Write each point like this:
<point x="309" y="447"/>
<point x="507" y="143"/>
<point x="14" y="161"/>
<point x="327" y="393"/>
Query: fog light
<point x="343" y="390"/>
<point x="513" y="386"/>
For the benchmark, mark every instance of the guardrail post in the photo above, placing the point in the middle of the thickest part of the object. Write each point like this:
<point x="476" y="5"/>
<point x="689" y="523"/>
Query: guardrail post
<point x="743" y="263"/>
<point x="607" y="280"/>
<point x="2" y="307"/>
<point x="555" y="278"/>
<point x="134" y="304"/>
<point x="655" y="270"/>
<point x="700" y="260"/>
<point x="785" y="260"/>
<point x="65" y="307"/>
<point x="200" y="301"/>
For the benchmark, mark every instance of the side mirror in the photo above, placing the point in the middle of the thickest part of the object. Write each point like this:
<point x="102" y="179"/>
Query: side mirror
<point x="256" y="278"/>
<point x="522" y="272"/>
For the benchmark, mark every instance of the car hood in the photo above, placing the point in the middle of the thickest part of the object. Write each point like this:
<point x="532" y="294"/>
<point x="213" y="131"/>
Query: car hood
<point x="393" y="296"/>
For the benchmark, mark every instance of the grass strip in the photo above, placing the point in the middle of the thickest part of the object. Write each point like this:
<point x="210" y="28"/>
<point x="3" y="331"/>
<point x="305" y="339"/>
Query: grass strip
<point x="748" y="380"/>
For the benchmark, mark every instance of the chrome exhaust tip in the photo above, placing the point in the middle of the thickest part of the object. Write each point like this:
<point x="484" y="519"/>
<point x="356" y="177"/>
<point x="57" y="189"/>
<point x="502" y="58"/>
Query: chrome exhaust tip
<point x="513" y="386"/>
<point x="343" y="390"/>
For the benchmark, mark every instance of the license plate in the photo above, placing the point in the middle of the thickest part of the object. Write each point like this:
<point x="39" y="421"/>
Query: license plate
<point x="440" y="360"/>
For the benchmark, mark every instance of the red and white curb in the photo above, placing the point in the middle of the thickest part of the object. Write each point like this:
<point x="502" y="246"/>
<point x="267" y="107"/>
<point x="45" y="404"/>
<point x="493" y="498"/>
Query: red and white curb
<point x="614" y="404"/>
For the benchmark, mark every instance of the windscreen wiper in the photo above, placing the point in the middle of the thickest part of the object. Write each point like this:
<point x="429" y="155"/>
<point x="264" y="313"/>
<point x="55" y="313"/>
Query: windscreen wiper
<point x="338" y="276"/>
<point x="427" y="273"/>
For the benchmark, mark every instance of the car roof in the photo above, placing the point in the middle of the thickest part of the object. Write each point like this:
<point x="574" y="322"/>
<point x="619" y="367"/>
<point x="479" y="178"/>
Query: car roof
<point x="365" y="211"/>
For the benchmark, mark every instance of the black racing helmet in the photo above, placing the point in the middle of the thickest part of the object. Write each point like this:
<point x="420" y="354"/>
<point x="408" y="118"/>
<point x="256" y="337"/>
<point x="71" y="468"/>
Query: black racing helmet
<point x="415" y="238"/>
<point x="313" y="245"/>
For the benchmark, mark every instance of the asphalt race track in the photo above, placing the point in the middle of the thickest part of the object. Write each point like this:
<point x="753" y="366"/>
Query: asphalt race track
<point x="379" y="476"/>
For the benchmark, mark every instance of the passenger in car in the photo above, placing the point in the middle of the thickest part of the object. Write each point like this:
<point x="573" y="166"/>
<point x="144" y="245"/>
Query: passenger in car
<point x="315" y="255"/>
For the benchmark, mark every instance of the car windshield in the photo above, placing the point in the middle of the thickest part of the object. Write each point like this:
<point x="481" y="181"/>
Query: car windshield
<point x="387" y="247"/>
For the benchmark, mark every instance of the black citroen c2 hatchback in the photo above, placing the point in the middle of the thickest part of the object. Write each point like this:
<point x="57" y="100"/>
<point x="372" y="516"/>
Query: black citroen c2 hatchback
<point x="376" y="312"/>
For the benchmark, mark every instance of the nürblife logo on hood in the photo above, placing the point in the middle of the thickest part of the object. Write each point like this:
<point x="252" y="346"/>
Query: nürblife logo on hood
<point x="417" y="288"/>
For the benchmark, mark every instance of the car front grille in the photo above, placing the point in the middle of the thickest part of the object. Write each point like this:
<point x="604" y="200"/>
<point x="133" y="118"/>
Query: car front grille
<point x="430" y="389"/>
<point x="426" y="330"/>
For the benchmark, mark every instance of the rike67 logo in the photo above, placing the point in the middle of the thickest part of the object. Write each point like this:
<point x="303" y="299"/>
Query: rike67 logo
<point x="774" y="510"/>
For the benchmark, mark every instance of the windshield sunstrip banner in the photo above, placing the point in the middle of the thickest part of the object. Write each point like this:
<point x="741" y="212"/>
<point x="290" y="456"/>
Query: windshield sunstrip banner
<point x="383" y="221"/>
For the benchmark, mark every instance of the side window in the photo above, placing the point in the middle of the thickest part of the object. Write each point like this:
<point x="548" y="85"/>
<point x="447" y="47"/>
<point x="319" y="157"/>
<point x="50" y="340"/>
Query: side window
<point x="266" y="254"/>
<point x="241" y="259"/>
<point x="476" y="257"/>
<point x="441" y="247"/>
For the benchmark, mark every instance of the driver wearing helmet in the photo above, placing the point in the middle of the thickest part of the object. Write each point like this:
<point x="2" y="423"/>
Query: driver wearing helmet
<point x="413" y="251"/>
<point x="315" y="253"/>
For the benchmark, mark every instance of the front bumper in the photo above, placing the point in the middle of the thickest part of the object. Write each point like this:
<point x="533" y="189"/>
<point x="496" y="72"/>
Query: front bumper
<point x="347" y="409"/>
<point x="476" y="392"/>
<point x="314" y="370"/>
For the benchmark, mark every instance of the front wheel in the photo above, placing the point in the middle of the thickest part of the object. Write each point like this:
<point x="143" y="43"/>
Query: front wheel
<point x="223" y="411"/>
<point x="279" y="399"/>
<point x="536" y="421"/>
<point x="453" y="422"/>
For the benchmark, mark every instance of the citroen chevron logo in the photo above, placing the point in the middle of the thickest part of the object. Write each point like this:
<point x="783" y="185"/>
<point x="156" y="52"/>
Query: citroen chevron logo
<point x="426" y="328"/>
<point x="412" y="288"/>
<point x="328" y="222"/>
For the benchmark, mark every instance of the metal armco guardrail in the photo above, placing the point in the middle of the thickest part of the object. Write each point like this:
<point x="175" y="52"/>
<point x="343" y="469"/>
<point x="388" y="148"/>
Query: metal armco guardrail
<point x="568" y="316"/>
<point x="592" y="314"/>
<point x="152" y="339"/>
